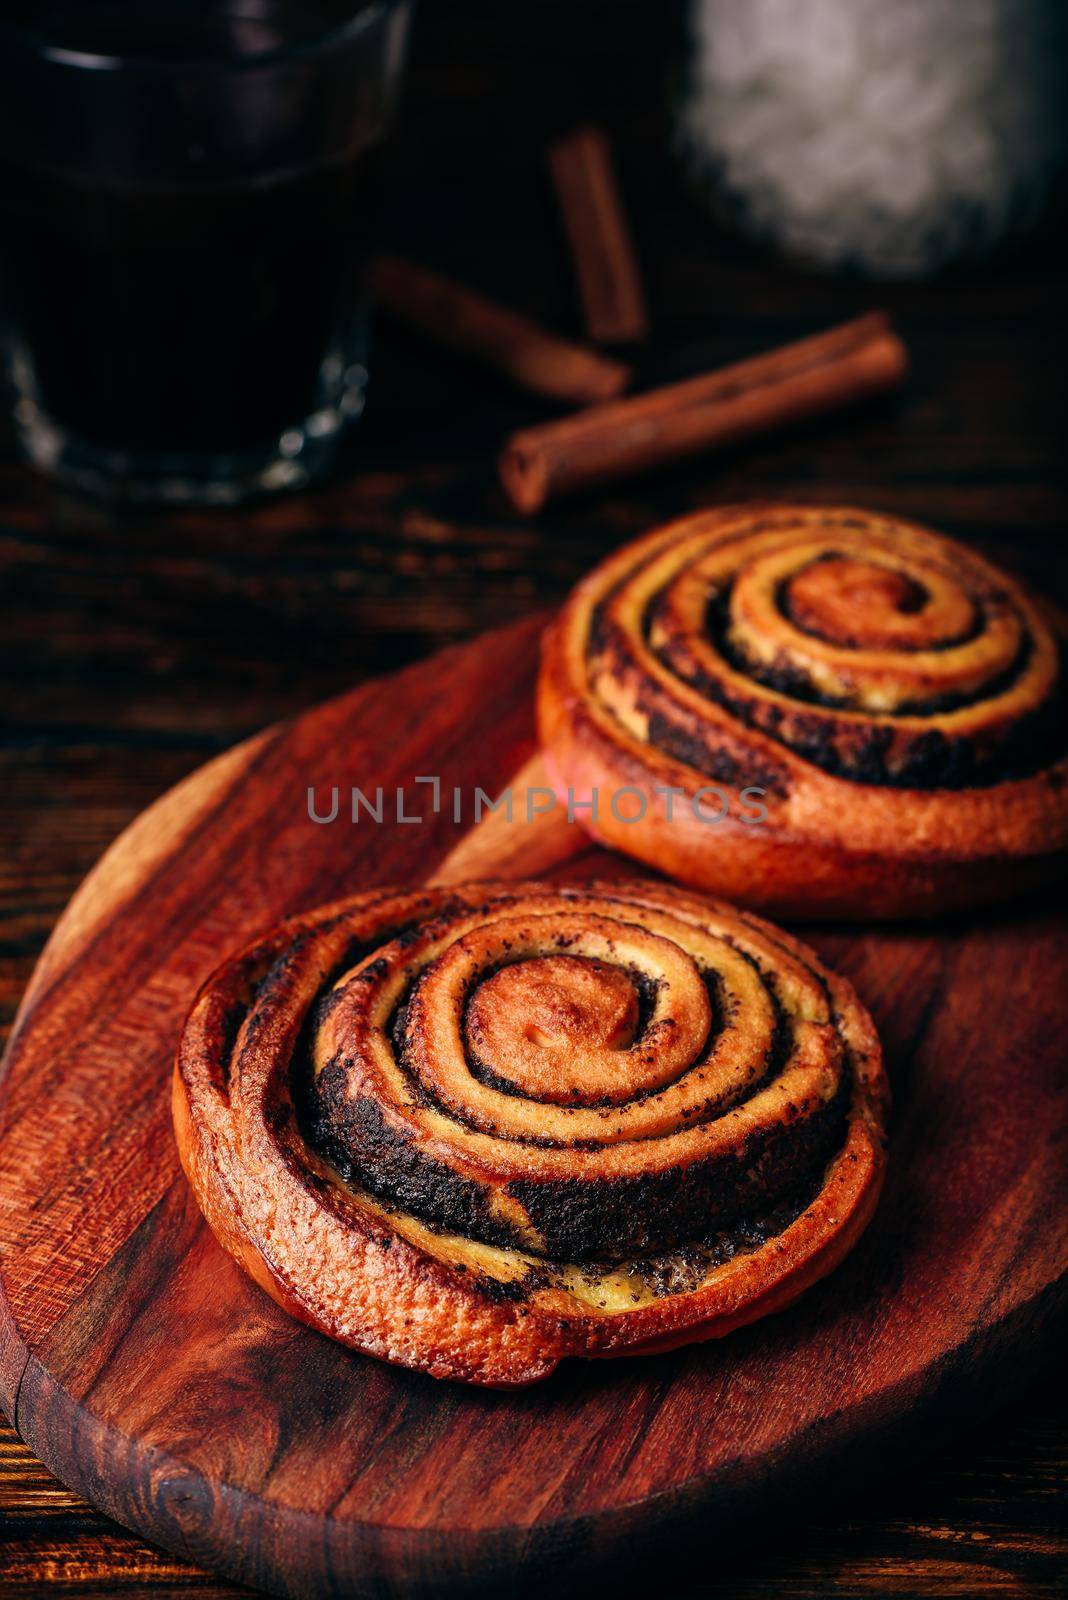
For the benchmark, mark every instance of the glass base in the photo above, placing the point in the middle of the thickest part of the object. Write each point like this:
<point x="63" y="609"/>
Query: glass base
<point x="299" y="455"/>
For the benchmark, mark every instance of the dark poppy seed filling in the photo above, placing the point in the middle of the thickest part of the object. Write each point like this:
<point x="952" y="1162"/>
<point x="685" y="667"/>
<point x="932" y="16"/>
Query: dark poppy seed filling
<point x="584" y="1075"/>
<point x="683" y="1269"/>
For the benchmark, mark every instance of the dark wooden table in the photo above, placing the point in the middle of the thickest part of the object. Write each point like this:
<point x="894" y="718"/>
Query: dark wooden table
<point x="135" y="646"/>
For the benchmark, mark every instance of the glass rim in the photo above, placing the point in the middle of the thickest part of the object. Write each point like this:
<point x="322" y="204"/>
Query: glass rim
<point x="332" y="37"/>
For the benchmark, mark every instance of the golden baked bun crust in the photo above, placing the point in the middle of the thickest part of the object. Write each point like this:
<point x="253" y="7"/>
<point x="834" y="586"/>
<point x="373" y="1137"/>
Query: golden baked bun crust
<point x="476" y="1130"/>
<point x="897" y="701"/>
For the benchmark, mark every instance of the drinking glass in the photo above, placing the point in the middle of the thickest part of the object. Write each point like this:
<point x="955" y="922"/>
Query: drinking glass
<point x="188" y="193"/>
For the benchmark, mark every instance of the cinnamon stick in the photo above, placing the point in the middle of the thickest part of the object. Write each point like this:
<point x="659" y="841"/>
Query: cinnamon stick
<point x="475" y="326"/>
<point x="837" y="368"/>
<point x="601" y="249"/>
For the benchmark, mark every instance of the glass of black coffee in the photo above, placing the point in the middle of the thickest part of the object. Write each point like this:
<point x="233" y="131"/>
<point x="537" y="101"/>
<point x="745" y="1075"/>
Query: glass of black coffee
<point x="187" y="215"/>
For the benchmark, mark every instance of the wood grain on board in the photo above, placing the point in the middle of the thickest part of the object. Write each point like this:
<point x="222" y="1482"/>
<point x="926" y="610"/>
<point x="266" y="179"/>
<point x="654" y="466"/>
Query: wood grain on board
<point x="159" y="1382"/>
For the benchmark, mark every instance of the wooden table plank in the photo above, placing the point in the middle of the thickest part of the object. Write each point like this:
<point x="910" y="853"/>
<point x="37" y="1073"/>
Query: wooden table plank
<point x="984" y="1518"/>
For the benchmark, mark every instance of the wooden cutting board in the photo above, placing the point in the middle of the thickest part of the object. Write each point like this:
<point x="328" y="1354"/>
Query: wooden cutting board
<point x="161" y="1384"/>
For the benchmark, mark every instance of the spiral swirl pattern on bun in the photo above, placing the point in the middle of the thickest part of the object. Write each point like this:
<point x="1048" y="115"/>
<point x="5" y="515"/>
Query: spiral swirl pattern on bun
<point x="897" y="701"/>
<point x="476" y="1130"/>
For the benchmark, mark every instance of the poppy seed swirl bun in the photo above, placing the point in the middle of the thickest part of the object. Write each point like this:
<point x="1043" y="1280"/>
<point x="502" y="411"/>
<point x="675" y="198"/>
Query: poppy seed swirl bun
<point x="476" y="1130"/>
<point x="896" y="702"/>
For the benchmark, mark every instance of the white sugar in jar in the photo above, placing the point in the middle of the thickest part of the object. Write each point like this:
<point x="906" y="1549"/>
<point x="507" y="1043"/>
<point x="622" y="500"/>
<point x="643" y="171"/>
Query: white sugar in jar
<point x="888" y="136"/>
